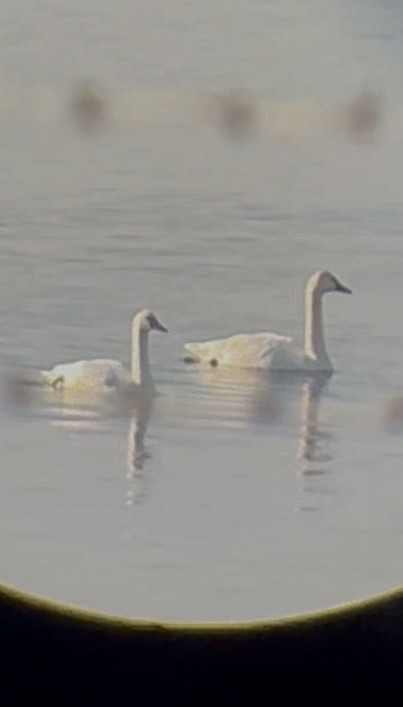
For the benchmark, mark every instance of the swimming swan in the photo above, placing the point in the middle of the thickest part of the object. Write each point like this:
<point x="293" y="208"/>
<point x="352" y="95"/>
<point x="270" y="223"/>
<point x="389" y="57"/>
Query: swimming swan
<point x="107" y="374"/>
<point x="271" y="351"/>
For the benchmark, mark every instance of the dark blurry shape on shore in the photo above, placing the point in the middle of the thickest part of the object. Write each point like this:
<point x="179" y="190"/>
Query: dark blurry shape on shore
<point x="89" y="106"/>
<point x="235" y="113"/>
<point x="363" y="115"/>
<point x="392" y="414"/>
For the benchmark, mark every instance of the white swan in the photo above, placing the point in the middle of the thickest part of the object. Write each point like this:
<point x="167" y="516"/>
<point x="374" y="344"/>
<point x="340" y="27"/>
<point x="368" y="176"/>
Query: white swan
<point x="271" y="351"/>
<point x="107" y="374"/>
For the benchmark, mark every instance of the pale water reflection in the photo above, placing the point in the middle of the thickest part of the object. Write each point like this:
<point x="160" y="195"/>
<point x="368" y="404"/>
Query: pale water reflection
<point x="246" y="398"/>
<point x="314" y="453"/>
<point x="137" y="453"/>
<point x="88" y="410"/>
<point x="313" y="447"/>
<point x="237" y="396"/>
<point x="225" y="397"/>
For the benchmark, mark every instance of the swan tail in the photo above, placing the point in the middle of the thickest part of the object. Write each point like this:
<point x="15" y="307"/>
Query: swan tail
<point x="201" y="353"/>
<point x="192" y="354"/>
<point x="50" y="378"/>
<point x="45" y="377"/>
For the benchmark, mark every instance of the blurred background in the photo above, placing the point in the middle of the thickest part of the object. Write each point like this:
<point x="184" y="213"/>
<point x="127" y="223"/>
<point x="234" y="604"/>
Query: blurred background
<point x="202" y="160"/>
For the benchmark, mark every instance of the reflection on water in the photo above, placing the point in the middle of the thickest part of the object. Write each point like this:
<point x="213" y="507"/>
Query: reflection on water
<point x="313" y="450"/>
<point x="238" y="396"/>
<point x="89" y="411"/>
<point x="92" y="411"/>
<point x="312" y="439"/>
<point x="243" y="397"/>
<point x="225" y="398"/>
<point x="73" y="409"/>
<point x="68" y="406"/>
<point x="137" y="453"/>
<point x="259" y="397"/>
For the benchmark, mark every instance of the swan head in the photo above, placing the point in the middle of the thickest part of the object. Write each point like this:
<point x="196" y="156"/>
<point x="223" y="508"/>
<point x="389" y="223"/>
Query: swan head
<point x="147" y="321"/>
<point x="323" y="281"/>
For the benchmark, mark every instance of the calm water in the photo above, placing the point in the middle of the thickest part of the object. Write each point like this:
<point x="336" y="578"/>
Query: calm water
<point x="255" y="497"/>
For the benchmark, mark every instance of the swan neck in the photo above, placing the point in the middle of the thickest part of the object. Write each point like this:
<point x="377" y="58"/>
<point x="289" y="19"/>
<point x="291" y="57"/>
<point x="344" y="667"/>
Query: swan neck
<point x="140" y="367"/>
<point x="314" y="335"/>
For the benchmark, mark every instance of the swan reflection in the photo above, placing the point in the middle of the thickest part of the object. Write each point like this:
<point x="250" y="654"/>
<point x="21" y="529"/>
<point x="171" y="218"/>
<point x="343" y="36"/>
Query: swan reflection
<point x="313" y="441"/>
<point x="213" y="398"/>
<point x="313" y="450"/>
<point x="248" y="396"/>
<point x="138" y="454"/>
<point x="235" y="397"/>
<point x="90" y="411"/>
<point x="241" y="397"/>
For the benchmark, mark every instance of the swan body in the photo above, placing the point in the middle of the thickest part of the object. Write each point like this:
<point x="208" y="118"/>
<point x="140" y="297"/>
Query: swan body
<point x="271" y="351"/>
<point x="104" y="374"/>
<point x="94" y="373"/>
